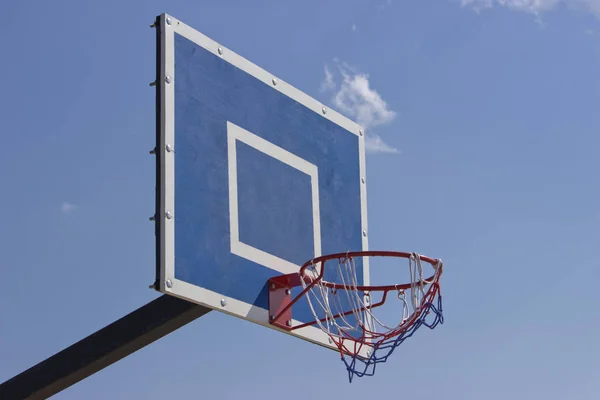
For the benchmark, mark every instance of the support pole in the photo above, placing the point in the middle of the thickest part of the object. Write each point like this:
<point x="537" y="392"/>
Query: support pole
<point x="102" y="348"/>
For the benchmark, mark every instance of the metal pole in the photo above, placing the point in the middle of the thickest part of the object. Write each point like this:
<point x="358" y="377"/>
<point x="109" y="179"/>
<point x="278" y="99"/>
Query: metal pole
<point x="102" y="348"/>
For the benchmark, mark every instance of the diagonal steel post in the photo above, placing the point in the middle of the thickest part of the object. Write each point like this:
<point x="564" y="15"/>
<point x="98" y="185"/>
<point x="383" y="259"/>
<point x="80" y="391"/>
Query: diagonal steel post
<point x="102" y="348"/>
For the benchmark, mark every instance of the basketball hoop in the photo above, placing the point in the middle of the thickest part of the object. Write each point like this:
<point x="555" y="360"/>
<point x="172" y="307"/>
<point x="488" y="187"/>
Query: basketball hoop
<point x="344" y="310"/>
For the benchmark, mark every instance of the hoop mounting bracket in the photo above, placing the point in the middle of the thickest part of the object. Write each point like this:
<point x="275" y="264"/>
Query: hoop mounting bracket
<point x="280" y="300"/>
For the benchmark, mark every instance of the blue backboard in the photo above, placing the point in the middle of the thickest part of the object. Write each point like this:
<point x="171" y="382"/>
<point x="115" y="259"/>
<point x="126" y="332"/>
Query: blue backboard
<point x="254" y="179"/>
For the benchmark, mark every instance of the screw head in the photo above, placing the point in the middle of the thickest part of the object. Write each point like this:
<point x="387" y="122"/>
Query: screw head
<point x="168" y="20"/>
<point x="288" y="291"/>
<point x="330" y="340"/>
<point x="360" y="132"/>
<point x="168" y="79"/>
<point x="223" y="302"/>
<point x="364" y="233"/>
<point x="169" y="283"/>
<point x="169" y="148"/>
<point x="274" y="81"/>
<point x="324" y="110"/>
<point x="363" y="180"/>
<point x="169" y="214"/>
<point x="220" y="50"/>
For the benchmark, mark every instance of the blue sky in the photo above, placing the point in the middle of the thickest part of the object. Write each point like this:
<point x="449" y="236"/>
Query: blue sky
<point x="483" y="122"/>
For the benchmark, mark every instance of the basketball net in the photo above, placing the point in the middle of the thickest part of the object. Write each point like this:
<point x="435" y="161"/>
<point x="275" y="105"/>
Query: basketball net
<point x="348" y="315"/>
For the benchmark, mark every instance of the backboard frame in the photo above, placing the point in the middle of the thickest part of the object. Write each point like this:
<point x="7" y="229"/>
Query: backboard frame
<point x="166" y="213"/>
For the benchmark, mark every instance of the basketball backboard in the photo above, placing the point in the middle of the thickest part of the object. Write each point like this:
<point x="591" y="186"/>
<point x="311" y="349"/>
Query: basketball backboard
<point x="255" y="177"/>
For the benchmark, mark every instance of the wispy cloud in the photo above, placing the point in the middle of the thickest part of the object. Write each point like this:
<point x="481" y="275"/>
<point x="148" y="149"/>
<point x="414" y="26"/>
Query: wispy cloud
<point x="375" y="144"/>
<point x="532" y="6"/>
<point x="384" y="4"/>
<point x="535" y="7"/>
<point x="355" y="98"/>
<point x="327" y="83"/>
<point x="67" y="208"/>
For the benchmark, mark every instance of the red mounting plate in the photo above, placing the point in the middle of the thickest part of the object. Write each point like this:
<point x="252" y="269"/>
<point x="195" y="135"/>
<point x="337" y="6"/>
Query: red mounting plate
<point x="280" y="300"/>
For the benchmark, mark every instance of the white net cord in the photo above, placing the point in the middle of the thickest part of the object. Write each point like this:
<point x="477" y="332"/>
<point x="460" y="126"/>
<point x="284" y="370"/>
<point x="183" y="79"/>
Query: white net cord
<point x="333" y="307"/>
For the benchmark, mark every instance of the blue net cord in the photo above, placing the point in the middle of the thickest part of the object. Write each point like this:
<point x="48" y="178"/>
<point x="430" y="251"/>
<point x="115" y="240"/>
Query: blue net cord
<point x="357" y="366"/>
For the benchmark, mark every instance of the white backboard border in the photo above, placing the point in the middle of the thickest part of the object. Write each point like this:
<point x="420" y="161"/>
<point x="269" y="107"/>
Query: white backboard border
<point x="165" y="151"/>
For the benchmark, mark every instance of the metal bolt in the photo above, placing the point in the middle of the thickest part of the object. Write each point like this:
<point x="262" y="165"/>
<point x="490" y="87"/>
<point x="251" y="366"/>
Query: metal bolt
<point x="223" y="302"/>
<point x="289" y="323"/>
<point x="169" y="148"/>
<point x="363" y="180"/>
<point x="272" y="286"/>
<point x="153" y="218"/>
<point x="168" y="20"/>
<point x="169" y="215"/>
<point x="330" y="340"/>
<point x="271" y="317"/>
<point x="274" y="81"/>
<point x="364" y="233"/>
<point x="169" y="283"/>
<point x="288" y="291"/>
<point x="324" y="110"/>
<point x="220" y="50"/>
<point x="168" y="79"/>
<point x="360" y="132"/>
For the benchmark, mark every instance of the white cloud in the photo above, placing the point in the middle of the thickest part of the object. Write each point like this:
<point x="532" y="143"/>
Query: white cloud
<point x="355" y="98"/>
<point x="535" y="7"/>
<point x="67" y="208"/>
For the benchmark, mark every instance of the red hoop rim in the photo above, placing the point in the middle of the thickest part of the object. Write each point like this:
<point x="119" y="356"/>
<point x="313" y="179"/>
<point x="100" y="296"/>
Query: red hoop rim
<point x="434" y="262"/>
<point x="281" y="302"/>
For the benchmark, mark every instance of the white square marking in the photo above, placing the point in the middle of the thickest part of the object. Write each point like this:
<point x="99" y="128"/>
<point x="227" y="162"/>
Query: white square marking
<point x="241" y="249"/>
